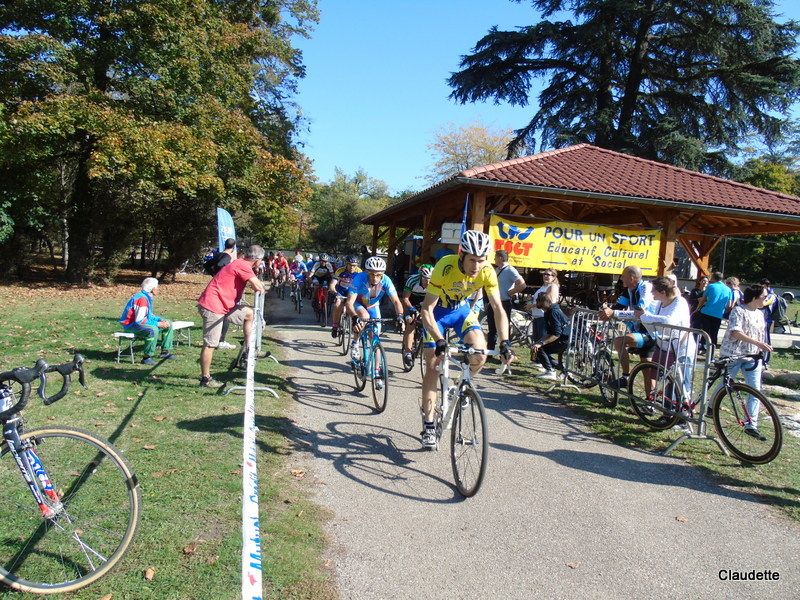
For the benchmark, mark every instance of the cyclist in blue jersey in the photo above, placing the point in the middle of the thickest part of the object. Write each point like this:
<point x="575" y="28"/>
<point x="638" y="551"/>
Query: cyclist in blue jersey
<point x="340" y="285"/>
<point x="637" y="295"/>
<point x="366" y="291"/>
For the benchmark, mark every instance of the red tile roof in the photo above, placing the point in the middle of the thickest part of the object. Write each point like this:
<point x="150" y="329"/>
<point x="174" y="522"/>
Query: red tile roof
<point x="588" y="168"/>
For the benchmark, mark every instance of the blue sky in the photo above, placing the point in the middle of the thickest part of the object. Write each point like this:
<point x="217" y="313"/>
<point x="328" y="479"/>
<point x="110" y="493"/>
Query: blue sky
<point x="375" y="90"/>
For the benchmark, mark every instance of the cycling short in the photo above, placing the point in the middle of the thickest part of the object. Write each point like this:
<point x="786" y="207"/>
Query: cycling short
<point x="462" y="320"/>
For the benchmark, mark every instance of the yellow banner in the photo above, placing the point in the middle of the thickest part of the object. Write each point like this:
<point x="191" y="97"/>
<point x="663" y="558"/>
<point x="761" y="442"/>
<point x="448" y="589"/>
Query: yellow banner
<point x="575" y="246"/>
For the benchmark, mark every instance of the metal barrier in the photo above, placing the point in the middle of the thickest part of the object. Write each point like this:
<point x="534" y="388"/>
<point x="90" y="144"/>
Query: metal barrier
<point x="668" y="385"/>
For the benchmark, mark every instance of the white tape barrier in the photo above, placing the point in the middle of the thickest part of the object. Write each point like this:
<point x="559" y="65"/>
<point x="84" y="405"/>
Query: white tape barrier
<point x="251" y="533"/>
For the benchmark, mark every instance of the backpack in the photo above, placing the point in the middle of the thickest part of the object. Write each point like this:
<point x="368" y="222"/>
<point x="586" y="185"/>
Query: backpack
<point x="211" y="266"/>
<point x="779" y="311"/>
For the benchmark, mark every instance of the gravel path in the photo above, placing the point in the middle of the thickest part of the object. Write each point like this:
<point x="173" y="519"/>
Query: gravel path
<point x="562" y="513"/>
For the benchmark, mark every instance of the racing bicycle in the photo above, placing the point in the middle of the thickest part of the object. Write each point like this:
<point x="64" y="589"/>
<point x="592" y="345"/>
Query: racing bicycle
<point x="369" y="362"/>
<point x="70" y="504"/>
<point x="459" y="408"/>
<point x="659" y="398"/>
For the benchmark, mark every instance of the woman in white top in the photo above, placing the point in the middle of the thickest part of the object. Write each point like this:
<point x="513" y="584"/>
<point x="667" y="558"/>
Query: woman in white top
<point x="746" y="335"/>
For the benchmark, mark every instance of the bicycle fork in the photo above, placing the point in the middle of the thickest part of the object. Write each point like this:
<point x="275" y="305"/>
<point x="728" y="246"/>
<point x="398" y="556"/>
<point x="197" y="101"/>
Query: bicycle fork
<point x="32" y="470"/>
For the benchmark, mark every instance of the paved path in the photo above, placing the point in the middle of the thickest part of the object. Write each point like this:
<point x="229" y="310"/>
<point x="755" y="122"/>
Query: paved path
<point x="562" y="513"/>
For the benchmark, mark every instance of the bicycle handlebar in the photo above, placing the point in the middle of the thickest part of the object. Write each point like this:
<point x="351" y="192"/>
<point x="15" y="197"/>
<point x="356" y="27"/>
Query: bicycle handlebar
<point x="724" y="360"/>
<point x="25" y="376"/>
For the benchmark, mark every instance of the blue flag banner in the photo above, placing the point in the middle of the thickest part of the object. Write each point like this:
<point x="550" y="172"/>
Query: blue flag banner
<point x="225" y="228"/>
<point x="464" y="216"/>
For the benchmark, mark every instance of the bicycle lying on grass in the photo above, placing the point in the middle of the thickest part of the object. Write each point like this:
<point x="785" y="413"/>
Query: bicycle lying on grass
<point x="69" y="502"/>
<point x="459" y="408"/>
<point x="745" y="420"/>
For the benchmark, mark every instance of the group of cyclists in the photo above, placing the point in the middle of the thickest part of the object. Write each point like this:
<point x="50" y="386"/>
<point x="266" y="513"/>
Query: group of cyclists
<point x="441" y="295"/>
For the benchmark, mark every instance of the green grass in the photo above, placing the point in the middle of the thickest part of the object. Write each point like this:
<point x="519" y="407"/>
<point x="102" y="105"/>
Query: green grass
<point x="184" y="443"/>
<point x="777" y="483"/>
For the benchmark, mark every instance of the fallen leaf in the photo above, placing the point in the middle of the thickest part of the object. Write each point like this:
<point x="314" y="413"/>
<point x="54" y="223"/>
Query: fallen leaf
<point x="129" y="398"/>
<point x="149" y="573"/>
<point x="107" y="597"/>
<point x="328" y="564"/>
<point x="681" y="519"/>
<point x="298" y="473"/>
<point x="148" y="447"/>
<point x="51" y="418"/>
<point x="159" y="418"/>
<point x="573" y="565"/>
<point x="191" y="548"/>
<point x="159" y="474"/>
<point x="211" y="560"/>
<point x="100" y="394"/>
<point x="236" y="472"/>
<point x="137" y="440"/>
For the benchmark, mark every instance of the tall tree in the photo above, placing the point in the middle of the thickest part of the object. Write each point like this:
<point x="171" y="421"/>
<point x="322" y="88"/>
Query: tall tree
<point x="338" y="206"/>
<point x="455" y="149"/>
<point x="146" y="114"/>
<point x="673" y="80"/>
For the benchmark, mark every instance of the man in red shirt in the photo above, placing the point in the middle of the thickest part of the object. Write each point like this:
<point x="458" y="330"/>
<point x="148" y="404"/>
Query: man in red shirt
<point x="218" y="304"/>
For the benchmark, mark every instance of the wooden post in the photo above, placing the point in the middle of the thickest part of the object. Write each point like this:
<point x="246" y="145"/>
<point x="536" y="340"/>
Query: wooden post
<point x="374" y="240"/>
<point x="390" y="257"/>
<point x="666" y="253"/>
<point x="426" y="235"/>
<point x="478" y="220"/>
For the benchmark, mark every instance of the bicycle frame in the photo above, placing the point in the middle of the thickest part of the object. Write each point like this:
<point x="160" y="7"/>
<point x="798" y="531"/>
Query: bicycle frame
<point x="32" y="469"/>
<point x="448" y="393"/>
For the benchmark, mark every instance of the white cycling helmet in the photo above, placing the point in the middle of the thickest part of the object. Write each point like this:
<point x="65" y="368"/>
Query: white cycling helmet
<point x="324" y="257"/>
<point x="475" y="242"/>
<point x="425" y="271"/>
<point x="375" y="263"/>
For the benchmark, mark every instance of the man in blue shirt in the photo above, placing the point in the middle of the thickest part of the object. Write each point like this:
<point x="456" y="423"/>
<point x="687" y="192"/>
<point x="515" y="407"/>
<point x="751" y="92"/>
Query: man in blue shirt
<point x="712" y="304"/>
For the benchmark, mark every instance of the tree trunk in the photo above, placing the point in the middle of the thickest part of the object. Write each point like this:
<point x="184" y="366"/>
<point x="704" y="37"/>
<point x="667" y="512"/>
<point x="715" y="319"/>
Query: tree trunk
<point x="80" y="223"/>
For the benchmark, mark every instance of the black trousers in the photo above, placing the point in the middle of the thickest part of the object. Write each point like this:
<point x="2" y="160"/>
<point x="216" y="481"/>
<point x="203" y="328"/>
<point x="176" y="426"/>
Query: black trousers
<point x="710" y="325"/>
<point x="492" y="340"/>
<point x="544" y="358"/>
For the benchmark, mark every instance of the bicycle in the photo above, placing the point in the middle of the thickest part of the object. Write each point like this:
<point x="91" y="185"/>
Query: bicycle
<point x="369" y="362"/>
<point x="460" y="408"/>
<point x="591" y="361"/>
<point x="417" y="347"/>
<point x="297" y="296"/>
<point x="345" y="332"/>
<point x="322" y="305"/>
<point x="663" y="404"/>
<point x="70" y="503"/>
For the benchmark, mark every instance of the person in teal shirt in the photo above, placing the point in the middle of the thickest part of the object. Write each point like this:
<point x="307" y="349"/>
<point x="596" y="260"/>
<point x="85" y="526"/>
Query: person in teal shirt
<point x="712" y="306"/>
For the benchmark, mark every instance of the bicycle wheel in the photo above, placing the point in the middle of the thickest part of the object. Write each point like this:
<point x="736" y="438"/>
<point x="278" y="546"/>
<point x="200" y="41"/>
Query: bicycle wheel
<point x="654" y="395"/>
<point x="346" y="333"/>
<point x="358" y="367"/>
<point x="581" y="371"/>
<point x="604" y="373"/>
<point x="92" y="528"/>
<point x="379" y="377"/>
<point x="732" y="411"/>
<point x="469" y="442"/>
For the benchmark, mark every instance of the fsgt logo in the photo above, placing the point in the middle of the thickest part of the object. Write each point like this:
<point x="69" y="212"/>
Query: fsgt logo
<point x="512" y="239"/>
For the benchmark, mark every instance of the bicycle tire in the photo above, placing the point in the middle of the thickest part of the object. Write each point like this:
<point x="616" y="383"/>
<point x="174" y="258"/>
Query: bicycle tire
<point x="582" y="372"/>
<point x="469" y="442"/>
<point x="346" y="333"/>
<point x="379" y="373"/>
<point x="730" y="414"/>
<point x="658" y="409"/>
<point x="358" y="371"/>
<point x="48" y="559"/>
<point x="604" y="370"/>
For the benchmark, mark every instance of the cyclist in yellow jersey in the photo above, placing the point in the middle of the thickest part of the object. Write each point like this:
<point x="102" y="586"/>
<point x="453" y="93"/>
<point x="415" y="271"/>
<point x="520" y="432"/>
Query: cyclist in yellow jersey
<point x="455" y="278"/>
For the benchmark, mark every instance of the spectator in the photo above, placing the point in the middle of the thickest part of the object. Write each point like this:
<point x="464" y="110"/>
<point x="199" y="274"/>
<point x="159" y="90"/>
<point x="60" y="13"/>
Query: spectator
<point x="637" y="295"/>
<point x="139" y="319"/>
<point x="767" y="309"/>
<point x="214" y="264"/>
<point x="746" y="334"/>
<point x="733" y="283"/>
<point x="711" y="306"/>
<point x="700" y="286"/>
<point x="510" y="282"/>
<point x="219" y="303"/>
<point x="555" y="339"/>
<point x="550" y="288"/>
